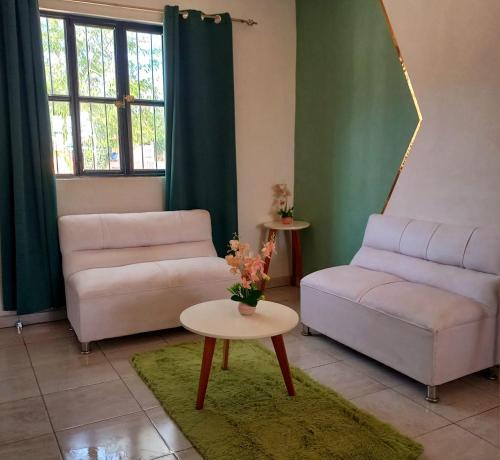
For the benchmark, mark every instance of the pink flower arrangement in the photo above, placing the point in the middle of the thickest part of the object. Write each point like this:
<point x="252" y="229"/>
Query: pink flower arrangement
<point x="250" y="268"/>
<point x="281" y="195"/>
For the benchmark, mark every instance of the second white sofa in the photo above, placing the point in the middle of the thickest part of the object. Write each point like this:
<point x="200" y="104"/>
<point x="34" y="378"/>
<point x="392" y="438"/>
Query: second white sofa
<point x="131" y="273"/>
<point x="421" y="297"/>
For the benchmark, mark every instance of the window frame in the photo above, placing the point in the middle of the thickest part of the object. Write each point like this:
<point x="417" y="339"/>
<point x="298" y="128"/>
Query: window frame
<point x="124" y="115"/>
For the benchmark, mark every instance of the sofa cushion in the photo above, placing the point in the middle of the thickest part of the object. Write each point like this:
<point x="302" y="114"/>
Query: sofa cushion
<point x="414" y="241"/>
<point x="99" y="258"/>
<point x="128" y="230"/>
<point x="424" y="306"/>
<point x="483" y="251"/>
<point x="481" y="287"/>
<point x="111" y="240"/>
<point x="347" y="281"/>
<point x="448" y="244"/>
<point x="465" y="246"/>
<point x="384" y="232"/>
<point x="142" y="277"/>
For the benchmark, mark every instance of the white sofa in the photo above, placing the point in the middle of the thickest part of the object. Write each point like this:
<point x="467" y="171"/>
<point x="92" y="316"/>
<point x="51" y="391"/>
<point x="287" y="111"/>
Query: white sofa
<point x="131" y="273"/>
<point x="420" y="297"/>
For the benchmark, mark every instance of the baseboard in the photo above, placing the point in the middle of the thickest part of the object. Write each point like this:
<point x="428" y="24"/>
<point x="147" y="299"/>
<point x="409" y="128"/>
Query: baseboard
<point x="9" y="319"/>
<point x="279" y="281"/>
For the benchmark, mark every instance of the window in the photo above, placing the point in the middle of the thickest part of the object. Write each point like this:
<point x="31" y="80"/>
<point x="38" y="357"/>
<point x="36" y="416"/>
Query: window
<point x="105" y="87"/>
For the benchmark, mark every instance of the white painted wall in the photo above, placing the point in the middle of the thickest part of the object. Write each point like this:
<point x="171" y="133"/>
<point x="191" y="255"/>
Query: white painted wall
<point x="264" y="72"/>
<point x="86" y="195"/>
<point x="450" y="48"/>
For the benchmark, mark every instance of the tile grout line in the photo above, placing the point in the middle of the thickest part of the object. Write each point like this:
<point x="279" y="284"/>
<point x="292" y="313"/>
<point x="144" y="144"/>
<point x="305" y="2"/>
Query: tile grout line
<point x="141" y="410"/>
<point x="135" y="399"/>
<point x="479" y="413"/>
<point x="394" y="387"/>
<point x="323" y="365"/>
<point x="475" y="434"/>
<point x="428" y="406"/>
<point x="171" y="451"/>
<point x="458" y="426"/>
<point x="353" y="400"/>
<point x="43" y="398"/>
<point x="312" y="367"/>
<point x="433" y="430"/>
<point x="422" y="405"/>
<point x="97" y="421"/>
<point x="78" y="388"/>
<point x="48" y="364"/>
<point x="31" y="438"/>
<point x="451" y="422"/>
<point x="350" y="364"/>
<point x="72" y="389"/>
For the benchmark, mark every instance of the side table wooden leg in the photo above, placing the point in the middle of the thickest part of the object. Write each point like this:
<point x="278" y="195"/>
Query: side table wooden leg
<point x="206" y="366"/>
<point x="225" y="355"/>
<point x="296" y="259"/>
<point x="271" y="236"/>
<point x="279" y="348"/>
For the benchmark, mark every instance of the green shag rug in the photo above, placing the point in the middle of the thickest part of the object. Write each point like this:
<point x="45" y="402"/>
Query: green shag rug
<point x="248" y="414"/>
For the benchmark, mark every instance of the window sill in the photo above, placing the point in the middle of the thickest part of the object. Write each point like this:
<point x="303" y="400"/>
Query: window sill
<point x="107" y="176"/>
<point x="69" y="178"/>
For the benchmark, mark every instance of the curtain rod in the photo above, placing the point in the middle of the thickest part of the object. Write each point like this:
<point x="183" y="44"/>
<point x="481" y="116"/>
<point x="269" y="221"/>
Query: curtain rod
<point x="184" y="13"/>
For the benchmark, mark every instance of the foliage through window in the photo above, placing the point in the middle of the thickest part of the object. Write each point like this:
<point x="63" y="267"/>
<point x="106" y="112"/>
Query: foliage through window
<point x="105" y="87"/>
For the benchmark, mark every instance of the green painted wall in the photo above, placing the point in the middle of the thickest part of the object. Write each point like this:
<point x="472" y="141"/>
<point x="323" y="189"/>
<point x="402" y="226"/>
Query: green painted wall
<point x="354" y="120"/>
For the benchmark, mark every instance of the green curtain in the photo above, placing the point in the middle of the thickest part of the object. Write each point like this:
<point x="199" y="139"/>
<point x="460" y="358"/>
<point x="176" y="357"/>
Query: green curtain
<point x="199" y="88"/>
<point x="30" y="257"/>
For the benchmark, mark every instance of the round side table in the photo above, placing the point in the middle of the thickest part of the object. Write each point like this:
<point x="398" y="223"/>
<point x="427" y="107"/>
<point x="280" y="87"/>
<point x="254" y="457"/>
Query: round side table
<point x="220" y="319"/>
<point x="294" y="228"/>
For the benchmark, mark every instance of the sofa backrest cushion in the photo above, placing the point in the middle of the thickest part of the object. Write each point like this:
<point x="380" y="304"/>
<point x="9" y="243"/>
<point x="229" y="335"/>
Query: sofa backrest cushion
<point x="109" y="240"/>
<point x="481" y="287"/>
<point x="466" y="246"/>
<point x="460" y="259"/>
<point x="483" y="251"/>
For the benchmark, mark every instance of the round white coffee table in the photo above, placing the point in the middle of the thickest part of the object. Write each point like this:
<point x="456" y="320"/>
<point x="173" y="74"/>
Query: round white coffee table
<point x="220" y="319"/>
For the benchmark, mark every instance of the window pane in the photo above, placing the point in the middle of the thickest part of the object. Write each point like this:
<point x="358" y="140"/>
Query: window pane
<point x="145" y="60"/>
<point x="99" y="134"/>
<point x="54" y="55"/>
<point x="148" y="137"/>
<point x="95" y="50"/>
<point x="62" y="137"/>
<point x="157" y="45"/>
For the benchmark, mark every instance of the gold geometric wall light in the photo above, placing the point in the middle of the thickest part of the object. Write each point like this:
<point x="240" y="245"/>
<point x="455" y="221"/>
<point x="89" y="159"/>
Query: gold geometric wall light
<point x="415" y="102"/>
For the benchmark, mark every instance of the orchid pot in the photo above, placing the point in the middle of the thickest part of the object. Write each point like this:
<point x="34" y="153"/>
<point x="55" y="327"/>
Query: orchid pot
<point x="247" y="298"/>
<point x="246" y="310"/>
<point x="287" y="220"/>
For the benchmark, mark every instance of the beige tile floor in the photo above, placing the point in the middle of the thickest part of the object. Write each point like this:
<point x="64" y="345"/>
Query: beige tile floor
<point x="56" y="403"/>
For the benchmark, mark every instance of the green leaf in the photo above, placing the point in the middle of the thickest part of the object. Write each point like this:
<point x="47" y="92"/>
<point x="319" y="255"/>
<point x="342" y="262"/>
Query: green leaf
<point x="247" y="296"/>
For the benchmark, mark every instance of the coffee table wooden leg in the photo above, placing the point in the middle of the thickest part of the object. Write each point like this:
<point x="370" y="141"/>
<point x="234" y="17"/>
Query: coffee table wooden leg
<point x="225" y="355"/>
<point x="206" y="366"/>
<point x="279" y="348"/>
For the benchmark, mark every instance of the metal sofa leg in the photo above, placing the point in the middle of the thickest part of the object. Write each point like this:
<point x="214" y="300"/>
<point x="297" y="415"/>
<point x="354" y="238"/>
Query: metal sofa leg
<point x="432" y="394"/>
<point x="306" y="330"/>
<point x="492" y="373"/>
<point x="85" y="348"/>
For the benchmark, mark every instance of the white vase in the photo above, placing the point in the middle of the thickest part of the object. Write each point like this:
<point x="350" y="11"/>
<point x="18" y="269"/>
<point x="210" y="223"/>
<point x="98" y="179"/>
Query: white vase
<point x="245" y="310"/>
